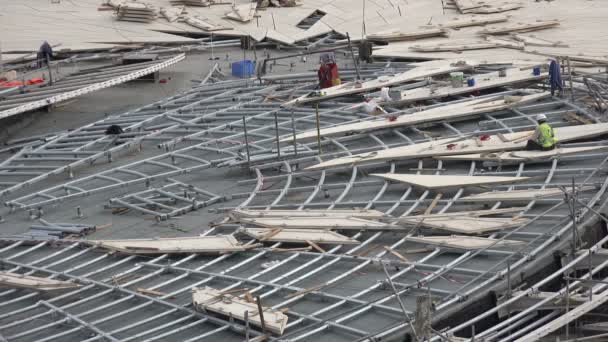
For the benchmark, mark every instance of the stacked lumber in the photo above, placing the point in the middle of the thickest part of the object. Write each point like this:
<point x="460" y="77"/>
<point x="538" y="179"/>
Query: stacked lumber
<point x="136" y="11"/>
<point x="204" y="24"/>
<point x="396" y="35"/>
<point x="242" y="13"/>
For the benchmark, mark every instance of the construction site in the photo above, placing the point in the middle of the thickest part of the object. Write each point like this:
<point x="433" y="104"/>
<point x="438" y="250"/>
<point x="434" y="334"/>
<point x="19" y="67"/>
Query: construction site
<point x="303" y="170"/>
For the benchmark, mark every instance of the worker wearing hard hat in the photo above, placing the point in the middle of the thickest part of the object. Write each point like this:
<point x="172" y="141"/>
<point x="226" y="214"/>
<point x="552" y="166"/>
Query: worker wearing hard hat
<point x="543" y="138"/>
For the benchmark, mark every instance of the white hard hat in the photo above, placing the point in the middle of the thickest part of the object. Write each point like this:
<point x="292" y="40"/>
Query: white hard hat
<point x="541" y="117"/>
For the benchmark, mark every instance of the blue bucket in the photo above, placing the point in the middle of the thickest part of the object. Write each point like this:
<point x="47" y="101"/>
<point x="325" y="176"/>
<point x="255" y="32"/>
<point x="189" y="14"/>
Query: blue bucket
<point x="536" y="71"/>
<point x="471" y="82"/>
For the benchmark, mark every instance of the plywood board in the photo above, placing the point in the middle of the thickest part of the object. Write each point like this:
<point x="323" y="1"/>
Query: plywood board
<point x="421" y="70"/>
<point x="532" y="40"/>
<point x="315" y="223"/>
<point x="450" y="112"/>
<point x="16" y="280"/>
<point x="464" y="242"/>
<point x="485" y="81"/>
<point x="466" y="225"/>
<point x="459" y="146"/>
<point x="214" y="300"/>
<point x="526" y="156"/>
<point x="518" y="195"/>
<point x="198" y="244"/>
<point x="471" y="213"/>
<point x="299" y="236"/>
<point x="344" y="213"/>
<point x="243" y="13"/>
<point x="446" y="181"/>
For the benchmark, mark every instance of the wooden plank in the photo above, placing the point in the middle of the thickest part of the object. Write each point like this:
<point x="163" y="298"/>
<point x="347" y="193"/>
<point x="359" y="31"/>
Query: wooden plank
<point x="467" y="225"/>
<point x="198" y="244"/>
<point x="399" y="35"/>
<point x="344" y="213"/>
<point x="16" y="280"/>
<point x="446" y="181"/>
<point x="464" y="242"/>
<point x="526" y="156"/>
<point x="519" y="195"/>
<point x="211" y="299"/>
<point x="449" y="112"/>
<point x="315" y="223"/>
<point x="464" y="21"/>
<point x="315" y="246"/>
<point x="433" y="204"/>
<point x="521" y="27"/>
<point x="448" y="146"/>
<point x="395" y="253"/>
<point x="300" y="236"/>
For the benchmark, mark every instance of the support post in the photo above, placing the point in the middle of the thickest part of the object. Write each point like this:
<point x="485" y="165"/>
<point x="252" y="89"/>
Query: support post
<point x="352" y="54"/>
<point x="293" y="132"/>
<point x="261" y="312"/>
<point x="570" y="79"/>
<point x="276" y="128"/>
<point x="48" y="65"/>
<point x="318" y="129"/>
<point x="246" y="326"/>
<point x="407" y="317"/>
<point x="246" y="142"/>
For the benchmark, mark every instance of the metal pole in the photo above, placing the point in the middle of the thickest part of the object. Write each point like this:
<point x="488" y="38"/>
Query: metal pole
<point x="407" y="317"/>
<point x="246" y="142"/>
<point x="590" y="275"/>
<point x="570" y="79"/>
<point x="429" y="318"/>
<point x="48" y="64"/>
<point x="276" y="127"/>
<point x="261" y="312"/>
<point x="573" y="212"/>
<point x="1" y="63"/>
<point x="567" y="305"/>
<point x="352" y="53"/>
<point x="293" y="132"/>
<point x="318" y="129"/>
<point x="247" y="326"/>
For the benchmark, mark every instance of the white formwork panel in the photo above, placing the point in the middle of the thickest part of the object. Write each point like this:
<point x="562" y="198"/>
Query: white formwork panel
<point x="15" y="280"/>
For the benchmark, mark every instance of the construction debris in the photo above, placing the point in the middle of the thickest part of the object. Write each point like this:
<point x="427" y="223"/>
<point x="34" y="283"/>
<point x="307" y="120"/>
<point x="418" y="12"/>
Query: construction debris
<point x="16" y="280"/>
<point x="208" y="298"/>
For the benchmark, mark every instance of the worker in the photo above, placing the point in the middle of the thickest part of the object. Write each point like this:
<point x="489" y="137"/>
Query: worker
<point x="328" y="71"/>
<point x="45" y="54"/>
<point x="543" y="138"/>
<point x="555" y="77"/>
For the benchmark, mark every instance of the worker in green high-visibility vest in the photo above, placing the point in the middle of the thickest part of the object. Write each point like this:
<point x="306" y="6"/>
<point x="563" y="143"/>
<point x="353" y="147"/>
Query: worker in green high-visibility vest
<point x="543" y="138"/>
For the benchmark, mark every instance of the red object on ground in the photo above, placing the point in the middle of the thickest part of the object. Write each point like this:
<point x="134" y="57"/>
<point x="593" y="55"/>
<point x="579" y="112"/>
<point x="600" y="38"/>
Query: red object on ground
<point x="162" y="81"/>
<point x="484" y="137"/>
<point x="392" y="118"/>
<point x="328" y="75"/>
<point x="451" y="146"/>
<point x="19" y="83"/>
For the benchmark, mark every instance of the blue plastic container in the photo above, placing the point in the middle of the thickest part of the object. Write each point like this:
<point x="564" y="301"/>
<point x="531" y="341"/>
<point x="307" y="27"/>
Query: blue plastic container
<point x="536" y="71"/>
<point x="243" y="69"/>
<point x="471" y="82"/>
